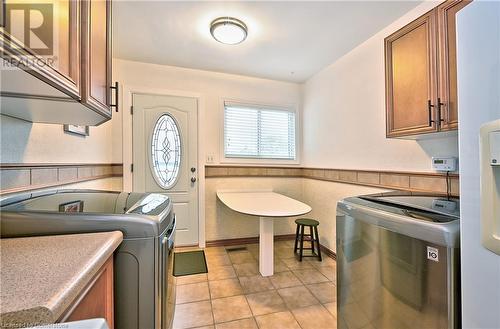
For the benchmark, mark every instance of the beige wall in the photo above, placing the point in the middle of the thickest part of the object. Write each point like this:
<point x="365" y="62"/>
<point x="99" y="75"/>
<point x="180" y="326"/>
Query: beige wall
<point x="323" y="196"/>
<point x="344" y="114"/>
<point x="109" y="184"/>
<point x="24" y="142"/>
<point x="211" y="87"/>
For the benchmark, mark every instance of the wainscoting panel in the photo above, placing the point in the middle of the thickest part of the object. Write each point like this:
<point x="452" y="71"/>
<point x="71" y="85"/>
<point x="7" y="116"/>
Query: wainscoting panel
<point x="19" y="177"/>
<point x="408" y="181"/>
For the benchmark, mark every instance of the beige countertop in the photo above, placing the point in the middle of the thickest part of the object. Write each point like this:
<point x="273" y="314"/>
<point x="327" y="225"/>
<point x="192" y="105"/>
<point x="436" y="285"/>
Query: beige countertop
<point x="41" y="276"/>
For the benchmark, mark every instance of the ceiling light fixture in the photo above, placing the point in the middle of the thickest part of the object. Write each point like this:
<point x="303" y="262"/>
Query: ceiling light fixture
<point x="228" y="30"/>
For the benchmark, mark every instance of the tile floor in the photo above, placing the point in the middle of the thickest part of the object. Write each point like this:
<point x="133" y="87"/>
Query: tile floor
<point x="234" y="295"/>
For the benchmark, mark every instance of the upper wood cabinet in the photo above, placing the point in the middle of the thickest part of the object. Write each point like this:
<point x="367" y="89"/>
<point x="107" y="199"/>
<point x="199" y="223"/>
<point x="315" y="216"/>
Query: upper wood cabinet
<point x="59" y="61"/>
<point x="421" y="82"/>
<point x="447" y="56"/>
<point x="97" y="54"/>
<point x="53" y="45"/>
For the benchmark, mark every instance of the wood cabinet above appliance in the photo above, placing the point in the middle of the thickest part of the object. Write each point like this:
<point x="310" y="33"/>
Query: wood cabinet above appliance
<point x="420" y="67"/>
<point x="55" y="84"/>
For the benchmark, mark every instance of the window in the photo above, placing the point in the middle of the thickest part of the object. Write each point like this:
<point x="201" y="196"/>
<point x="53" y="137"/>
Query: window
<point x="166" y="151"/>
<point x="258" y="132"/>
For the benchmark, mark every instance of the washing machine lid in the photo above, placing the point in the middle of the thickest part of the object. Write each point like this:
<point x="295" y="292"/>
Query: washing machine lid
<point x="430" y="207"/>
<point x="88" y="201"/>
<point x="407" y="213"/>
<point x="137" y="215"/>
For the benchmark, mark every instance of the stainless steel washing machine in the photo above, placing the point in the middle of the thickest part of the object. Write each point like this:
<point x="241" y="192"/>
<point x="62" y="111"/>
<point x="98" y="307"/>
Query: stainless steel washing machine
<point x="143" y="263"/>
<point x="398" y="261"/>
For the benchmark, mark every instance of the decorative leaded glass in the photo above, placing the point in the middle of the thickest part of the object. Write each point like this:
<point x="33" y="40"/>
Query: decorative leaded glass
<point x="166" y="151"/>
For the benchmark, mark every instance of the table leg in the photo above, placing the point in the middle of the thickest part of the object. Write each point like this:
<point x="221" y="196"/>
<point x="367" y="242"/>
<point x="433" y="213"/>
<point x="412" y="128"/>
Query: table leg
<point x="266" y="246"/>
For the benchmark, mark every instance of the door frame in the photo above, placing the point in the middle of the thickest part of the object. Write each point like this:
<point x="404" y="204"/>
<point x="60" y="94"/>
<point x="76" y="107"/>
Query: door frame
<point x="127" y="93"/>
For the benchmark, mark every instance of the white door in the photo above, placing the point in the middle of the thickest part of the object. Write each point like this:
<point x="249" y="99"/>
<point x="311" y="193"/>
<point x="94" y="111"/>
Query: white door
<point x="165" y="156"/>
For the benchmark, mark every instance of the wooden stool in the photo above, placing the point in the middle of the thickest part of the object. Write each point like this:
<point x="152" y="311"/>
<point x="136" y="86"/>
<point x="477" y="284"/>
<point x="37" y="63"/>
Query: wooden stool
<point x="313" y="235"/>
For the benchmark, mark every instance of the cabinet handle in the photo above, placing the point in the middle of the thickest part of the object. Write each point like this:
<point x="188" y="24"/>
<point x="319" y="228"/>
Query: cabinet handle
<point x="115" y="105"/>
<point x="429" y="108"/>
<point x="440" y="104"/>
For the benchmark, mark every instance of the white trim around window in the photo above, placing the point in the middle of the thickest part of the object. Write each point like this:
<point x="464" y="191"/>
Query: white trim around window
<point x="261" y="155"/>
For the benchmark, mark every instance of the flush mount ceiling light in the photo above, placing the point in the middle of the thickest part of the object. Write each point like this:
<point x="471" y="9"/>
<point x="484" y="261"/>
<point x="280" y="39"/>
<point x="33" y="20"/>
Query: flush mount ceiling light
<point x="228" y="30"/>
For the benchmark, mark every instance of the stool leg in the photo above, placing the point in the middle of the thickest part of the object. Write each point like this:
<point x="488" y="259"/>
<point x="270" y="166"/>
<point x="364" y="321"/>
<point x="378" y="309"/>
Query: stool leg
<point x="312" y="239"/>
<point x="296" y="240"/>
<point x="317" y="240"/>
<point x="301" y="241"/>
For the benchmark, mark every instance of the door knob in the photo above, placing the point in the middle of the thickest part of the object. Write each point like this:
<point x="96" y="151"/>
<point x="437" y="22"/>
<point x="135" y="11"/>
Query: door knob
<point x="193" y="179"/>
<point x="193" y="169"/>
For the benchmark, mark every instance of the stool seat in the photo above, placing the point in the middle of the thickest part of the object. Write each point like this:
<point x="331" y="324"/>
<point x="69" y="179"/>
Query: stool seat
<point x="306" y="222"/>
<point x="313" y="238"/>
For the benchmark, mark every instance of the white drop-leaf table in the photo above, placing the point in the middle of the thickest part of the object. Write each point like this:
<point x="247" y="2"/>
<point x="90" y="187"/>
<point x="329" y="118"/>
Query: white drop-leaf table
<point x="267" y="206"/>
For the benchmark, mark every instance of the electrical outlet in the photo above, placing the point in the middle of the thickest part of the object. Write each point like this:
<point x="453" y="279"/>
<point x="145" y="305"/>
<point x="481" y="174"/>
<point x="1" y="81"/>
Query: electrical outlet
<point x="210" y="158"/>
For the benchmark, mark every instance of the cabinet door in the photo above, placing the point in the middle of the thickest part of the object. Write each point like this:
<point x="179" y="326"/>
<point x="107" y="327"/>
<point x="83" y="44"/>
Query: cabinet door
<point x="97" y="300"/>
<point x="96" y="68"/>
<point x="411" y="79"/>
<point x="49" y="32"/>
<point x="447" y="48"/>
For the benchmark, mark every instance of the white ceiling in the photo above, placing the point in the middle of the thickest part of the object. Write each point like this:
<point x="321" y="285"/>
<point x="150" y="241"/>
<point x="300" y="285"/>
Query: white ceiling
<point x="288" y="41"/>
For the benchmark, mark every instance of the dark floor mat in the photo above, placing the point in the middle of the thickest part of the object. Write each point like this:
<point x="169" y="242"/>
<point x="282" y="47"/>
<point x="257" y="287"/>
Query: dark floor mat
<point x="190" y="262"/>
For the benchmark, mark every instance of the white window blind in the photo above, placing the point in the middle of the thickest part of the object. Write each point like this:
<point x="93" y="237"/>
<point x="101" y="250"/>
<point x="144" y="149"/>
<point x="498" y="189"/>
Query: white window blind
<point x="258" y="132"/>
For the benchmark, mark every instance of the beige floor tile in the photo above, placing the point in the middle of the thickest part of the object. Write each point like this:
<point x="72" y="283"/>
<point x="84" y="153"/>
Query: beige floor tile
<point x="315" y="317"/>
<point x="186" y="249"/>
<point x="216" y="260"/>
<point x="193" y="315"/>
<point x="309" y="276"/>
<point x="253" y="246"/>
<point x="215" y="250"/>
<point x="295" y="264"/>
<point x="327" y="261"/>
<point x="332" y="308"/>
<point x="204" y="327"/>
<point x="284" y="280"/>
<point x="221" y="272"/>
<point x="256" y="283"/>
<point x="280" y="266"/>
<point x="284" y="244"/>
<point x="188" y="279"/>
<point x="230" y="308"/>
<point x="192" y="293"/>
<point x="284" y="253"/>
<point x="280" y="320"/>
<point x="254" y="250"/>
<point x="246" y="269"/>
<point x="329" y="272"/>
<point x="236" y="248"/>
<point x="325" y="292"/>
<point x="297" y="297"/>
<point x="225" y="288"/>
<point x="238" y="324"/>
<point x="265" y="302"/>
<point x="241" y="257"/>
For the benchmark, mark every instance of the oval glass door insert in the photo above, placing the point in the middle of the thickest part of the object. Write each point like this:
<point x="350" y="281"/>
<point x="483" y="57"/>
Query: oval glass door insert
<point x="166" y="151"/>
